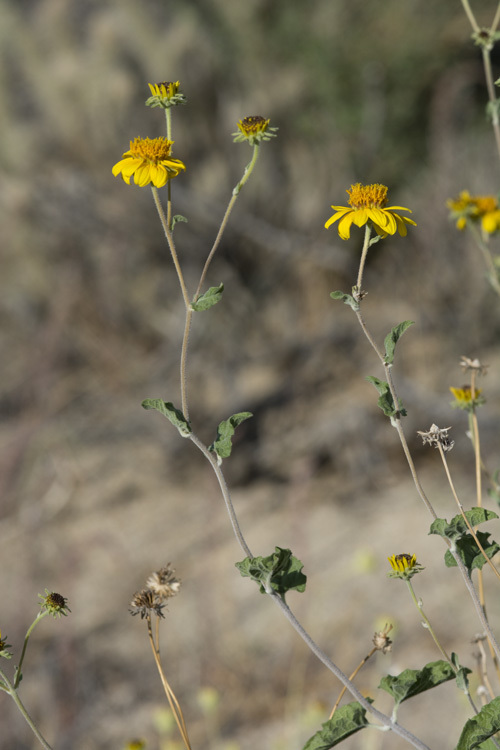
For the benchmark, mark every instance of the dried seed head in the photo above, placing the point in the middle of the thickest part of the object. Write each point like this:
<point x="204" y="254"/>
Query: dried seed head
<point x="164" y="583"/>
<point x="437" y="437"/>
<point x="474" y="365"/>
<point x="144" y="602"/>
<point x="381" y="640"/>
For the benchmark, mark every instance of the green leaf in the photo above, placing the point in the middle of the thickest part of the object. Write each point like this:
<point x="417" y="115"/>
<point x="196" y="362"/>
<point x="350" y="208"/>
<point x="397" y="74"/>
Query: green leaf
<point x="457" y="526"/>
<point x="471" y="555"/>
<point x="176" y="219"/>
<point x="385" y="401"/>
<point x="280" y="572"/>
<point x="485" y="724"/>
<point x="208" y="299"/>
<point x="392" y="339"/>
<point x="347" y="720"/>
<point x="461" y="674"/>
<point x="169" y="411"/>
<point x="347" y="299"/>
<point x="222" y="445"/>
<point x="414" y="681"/>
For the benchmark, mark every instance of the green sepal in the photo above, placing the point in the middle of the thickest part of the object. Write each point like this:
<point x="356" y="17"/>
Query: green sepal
<point x="385" y="400"/>
<point x="222" y="445"/>
<point x="461" y="674"/>
<point x="392" y="339"/>
<point x="347" y="720"/>
<point x="280" y="572"/>
<point x="169" y="411"/>
<point x="177" y="219"/>
<point x="414" y="681"/>
<point x="208" y="299"/>
<point x="482" y="726"/>
<point x="347" y="299"/>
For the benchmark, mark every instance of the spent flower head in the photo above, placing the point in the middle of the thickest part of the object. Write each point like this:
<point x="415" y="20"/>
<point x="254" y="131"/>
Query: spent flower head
<point x="54" y="604"/>
<point x="473" y="365"/>
<point x="381" y="640"/>
<point x="149" y="160"/>
<point x="165" y="94"/>
<point x="437" y="436"/>
<point x="368" y="203"/>
<point x="466" y="398"/>
<point x="254" y="129"/>
<point x="404" y="566"/>
<point x="163" y="583"/>
<point x="144" y="602"/>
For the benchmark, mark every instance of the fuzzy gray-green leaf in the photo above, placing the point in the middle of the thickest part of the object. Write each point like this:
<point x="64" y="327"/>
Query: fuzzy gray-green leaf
<point x="346" y="721"/>
<point x="482" y="726"/>
<point x="222" y="445"/>
<point x="208" y="299"/>
<point x="347" y="299"/>
<point x="392" y="339"/>
<point x="175" y="416"/>
<point x="414" y="681"/>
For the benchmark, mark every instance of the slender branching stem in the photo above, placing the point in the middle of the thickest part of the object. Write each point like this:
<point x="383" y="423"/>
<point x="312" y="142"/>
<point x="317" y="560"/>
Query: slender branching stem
<point x="225" y="493"/>
<point x="470" y="15"/>
<point x="490" y="85"/>
<point x="428" y="626"/>
<point x="246" y="174"/>
<point x="386" y="721"/>
<point x="173" y="702"/>
<point x="351" y="677"/>
<point x="488" y="259"/>
<point x="462" y="511"/>
<point x="396" y="421"/>
<point x="11" y="690"/>
<point x="35" y="622"/>
<point x="170" y="240"/>
<point x="496" y="20"/>
<point x="364" y="252"/>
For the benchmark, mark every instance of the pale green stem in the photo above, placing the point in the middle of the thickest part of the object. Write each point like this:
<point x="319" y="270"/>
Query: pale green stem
<point x="189" y="311"/>
<point x="168" y="120"/>
<point x="246" y="174"/>
<point x="396" y="422"/>
<point x="462" y="511"/>
<point x="490" y="85"/>
<point x="35" y="622"/>
<point x="470" y="15"/>
<point x="15" y="697"/>
<point x="496" y="20"/>
<point x="493" y="271"/>
<point x="385" y="720"/>
<point x="364" y="252"/>
<point x="170" y="241"/>
<point x="428" y="625"/>
<point x="474" y="429"/>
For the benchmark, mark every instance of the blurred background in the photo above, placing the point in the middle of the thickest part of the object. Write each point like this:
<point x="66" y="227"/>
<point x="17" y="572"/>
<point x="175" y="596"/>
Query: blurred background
<point x="97" y="493"/>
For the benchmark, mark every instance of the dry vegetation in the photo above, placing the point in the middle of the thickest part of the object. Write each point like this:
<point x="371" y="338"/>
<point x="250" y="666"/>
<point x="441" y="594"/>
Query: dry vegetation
<point x="96" y="493"/>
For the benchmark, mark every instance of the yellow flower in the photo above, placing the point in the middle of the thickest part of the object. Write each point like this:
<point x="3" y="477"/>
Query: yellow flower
<point x="165" y="94"/>
<point x="369" y="203"/>
<point x="483" y="208"/>
<point x="404" y="566"/>
<point x="254" y="129"/>
<point x="466" y="399"/>
<point x="148" y="160"/>
<point x="403" y="562"/>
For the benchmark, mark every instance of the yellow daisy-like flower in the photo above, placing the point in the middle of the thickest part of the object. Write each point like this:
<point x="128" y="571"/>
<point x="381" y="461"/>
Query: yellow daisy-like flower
<point x="165" y="94"/>
<point x="467" y="399"/>
<point x="404" y="566"/>
<point x="368" y="203"/>
<point x="149" y="160"/>
<point x="254" y="129"/>
<point x="483" y="208"/>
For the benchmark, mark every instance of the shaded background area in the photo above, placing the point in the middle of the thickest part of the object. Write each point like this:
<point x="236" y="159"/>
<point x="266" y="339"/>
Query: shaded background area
<point x="96" y="493"/>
